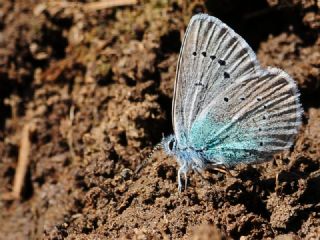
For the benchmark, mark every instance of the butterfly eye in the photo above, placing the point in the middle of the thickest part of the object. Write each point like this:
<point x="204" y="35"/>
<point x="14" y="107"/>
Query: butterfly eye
<point x="171" y="144"/>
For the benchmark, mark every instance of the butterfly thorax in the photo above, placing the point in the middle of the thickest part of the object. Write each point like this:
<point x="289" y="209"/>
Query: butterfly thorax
<point x="187" y="156"/>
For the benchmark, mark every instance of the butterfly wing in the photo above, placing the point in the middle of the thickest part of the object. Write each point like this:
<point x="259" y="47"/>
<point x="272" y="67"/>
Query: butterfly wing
<point x="226" y="106"/>
<point x="252" y="118"/>
<point x="211" y="53"/>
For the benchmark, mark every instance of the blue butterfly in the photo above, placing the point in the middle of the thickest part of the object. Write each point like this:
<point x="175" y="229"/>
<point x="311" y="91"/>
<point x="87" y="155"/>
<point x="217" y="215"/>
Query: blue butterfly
<point x="226" y="108"/>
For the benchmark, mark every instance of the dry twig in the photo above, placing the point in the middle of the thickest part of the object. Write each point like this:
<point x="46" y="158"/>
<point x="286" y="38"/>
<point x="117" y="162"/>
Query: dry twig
<point x="93" y="6"/>
<point x="23" y="163"/>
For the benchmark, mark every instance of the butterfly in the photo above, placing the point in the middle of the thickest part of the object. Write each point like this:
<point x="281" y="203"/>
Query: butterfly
<point x="226" y="108"/>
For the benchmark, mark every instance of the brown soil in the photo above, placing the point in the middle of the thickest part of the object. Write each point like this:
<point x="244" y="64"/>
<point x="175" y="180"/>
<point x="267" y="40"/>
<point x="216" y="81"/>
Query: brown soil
<point x="97" y="87"/>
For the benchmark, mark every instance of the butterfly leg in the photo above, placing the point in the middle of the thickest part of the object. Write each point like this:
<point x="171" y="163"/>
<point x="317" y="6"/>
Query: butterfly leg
<point x="185" y="180"/>
<point x="223" y="169"/>
<point x="179" y="179"/>
<point x="183" y="170"/>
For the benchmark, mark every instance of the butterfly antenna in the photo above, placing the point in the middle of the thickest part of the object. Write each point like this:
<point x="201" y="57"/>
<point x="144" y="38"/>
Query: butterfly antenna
<point x="149" y="157"/>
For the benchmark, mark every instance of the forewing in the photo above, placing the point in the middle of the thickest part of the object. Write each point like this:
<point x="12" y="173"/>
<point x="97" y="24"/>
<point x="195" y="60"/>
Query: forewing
<point x="252" y="118"/>
<point x="211" y="56"/>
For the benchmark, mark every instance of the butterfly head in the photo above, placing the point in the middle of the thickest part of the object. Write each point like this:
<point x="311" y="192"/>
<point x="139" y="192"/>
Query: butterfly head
<point x="169" y="144"/>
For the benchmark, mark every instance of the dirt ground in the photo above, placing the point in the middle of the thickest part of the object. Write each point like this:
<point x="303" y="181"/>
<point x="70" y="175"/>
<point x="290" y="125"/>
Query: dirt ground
<point x="96" y="86"/>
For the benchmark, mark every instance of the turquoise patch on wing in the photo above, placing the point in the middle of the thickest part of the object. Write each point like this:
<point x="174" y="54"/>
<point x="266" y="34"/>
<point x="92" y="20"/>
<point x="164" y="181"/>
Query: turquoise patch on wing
<point x="222" y="142"/>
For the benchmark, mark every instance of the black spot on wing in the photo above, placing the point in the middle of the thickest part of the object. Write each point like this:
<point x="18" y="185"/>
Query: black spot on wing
<point x="212" y="57"/>
<point x="222" y="62"/>
<point x="199" y="84"/>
